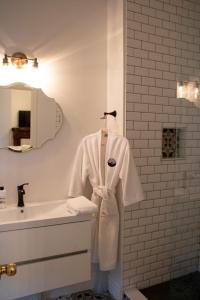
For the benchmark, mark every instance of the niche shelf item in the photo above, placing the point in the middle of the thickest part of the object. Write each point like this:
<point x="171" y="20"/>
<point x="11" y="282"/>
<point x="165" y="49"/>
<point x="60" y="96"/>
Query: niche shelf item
<point x="172" y="143"/>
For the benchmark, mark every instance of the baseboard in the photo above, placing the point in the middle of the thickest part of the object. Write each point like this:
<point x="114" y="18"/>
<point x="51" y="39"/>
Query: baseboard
<point x="134" y="294"/>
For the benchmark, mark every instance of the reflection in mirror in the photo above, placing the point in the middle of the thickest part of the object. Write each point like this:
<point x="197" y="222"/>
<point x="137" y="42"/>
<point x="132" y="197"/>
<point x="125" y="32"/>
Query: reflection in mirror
<point x="28" y="118"/>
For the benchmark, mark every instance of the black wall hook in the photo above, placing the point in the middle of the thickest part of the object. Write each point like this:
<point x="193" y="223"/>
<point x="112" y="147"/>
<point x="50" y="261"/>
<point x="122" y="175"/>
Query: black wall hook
<point x="112" y="113"/>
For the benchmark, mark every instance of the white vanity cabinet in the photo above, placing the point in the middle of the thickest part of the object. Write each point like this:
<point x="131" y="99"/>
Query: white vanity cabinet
<point x="47" y="257"/>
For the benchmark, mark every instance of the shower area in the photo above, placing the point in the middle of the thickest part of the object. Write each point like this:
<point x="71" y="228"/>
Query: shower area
<point x="161" y="236"/>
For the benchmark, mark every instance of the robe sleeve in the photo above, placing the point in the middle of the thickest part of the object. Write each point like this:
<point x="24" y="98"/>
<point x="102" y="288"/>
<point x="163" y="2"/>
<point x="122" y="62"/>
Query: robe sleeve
<point x="131" y="186"/>
<point x="79" y="173"/>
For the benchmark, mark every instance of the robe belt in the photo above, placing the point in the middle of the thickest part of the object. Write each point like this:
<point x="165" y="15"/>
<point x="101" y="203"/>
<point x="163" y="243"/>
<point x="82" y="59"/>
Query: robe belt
<point x="102" y="191"/>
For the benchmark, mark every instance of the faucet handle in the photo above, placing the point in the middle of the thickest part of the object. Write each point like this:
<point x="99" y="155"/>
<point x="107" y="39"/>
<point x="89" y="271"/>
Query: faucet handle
<point x="21" y="186"/>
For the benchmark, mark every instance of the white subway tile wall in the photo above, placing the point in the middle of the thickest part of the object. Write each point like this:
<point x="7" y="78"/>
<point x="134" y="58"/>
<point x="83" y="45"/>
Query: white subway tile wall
<point x="161" y="234"/>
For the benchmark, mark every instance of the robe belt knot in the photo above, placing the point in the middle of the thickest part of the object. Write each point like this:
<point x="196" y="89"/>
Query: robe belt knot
<point x="103" y="191"/>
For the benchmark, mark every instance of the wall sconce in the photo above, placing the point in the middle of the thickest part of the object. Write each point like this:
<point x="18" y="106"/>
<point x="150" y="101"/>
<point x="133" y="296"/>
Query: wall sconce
<point x="188" y="90"/>
<point x="19" y="60"/>
<point x="20" y="68"/>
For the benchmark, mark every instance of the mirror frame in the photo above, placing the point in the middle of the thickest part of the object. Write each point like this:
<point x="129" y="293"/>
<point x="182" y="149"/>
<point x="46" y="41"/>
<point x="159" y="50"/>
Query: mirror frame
<point x="57" y="116"/>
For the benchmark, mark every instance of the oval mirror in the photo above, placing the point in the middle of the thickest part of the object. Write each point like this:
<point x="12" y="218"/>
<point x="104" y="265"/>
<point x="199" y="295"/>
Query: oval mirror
<point x="28" y="118"/>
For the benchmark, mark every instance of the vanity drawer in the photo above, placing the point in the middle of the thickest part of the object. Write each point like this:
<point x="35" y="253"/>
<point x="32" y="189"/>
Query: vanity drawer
<point x="33" y="243"/>
<point x="45" y="275"/>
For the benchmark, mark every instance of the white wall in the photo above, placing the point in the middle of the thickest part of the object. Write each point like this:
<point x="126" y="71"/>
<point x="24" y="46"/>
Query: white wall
<point x="79" y="46"/>
<point x="69" y="39"/>
<point x="115" y="64"/>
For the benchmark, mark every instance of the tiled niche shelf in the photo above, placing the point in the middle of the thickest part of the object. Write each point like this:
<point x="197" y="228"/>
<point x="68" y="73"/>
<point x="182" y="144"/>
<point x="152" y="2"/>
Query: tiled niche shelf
<point x="172" y="143"/>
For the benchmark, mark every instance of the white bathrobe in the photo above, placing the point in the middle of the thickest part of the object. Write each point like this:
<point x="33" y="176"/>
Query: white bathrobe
<point x="104" y="173"/>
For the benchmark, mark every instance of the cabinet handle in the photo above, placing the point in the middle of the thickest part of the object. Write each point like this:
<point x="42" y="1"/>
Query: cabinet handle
<point x="2" y="270"/>
<point x="9" y="269"/>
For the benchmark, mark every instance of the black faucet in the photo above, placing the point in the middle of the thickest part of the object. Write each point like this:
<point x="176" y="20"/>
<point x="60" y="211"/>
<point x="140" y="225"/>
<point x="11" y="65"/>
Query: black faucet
<point x="21" y="192"/>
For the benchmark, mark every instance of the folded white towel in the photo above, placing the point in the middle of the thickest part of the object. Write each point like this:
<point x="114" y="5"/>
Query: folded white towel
<point x="81" y="205"/>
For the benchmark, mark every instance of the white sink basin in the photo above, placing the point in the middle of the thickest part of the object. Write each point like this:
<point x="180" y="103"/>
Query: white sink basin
<point x="43" y="210"/>
<point x="37" y="214"/>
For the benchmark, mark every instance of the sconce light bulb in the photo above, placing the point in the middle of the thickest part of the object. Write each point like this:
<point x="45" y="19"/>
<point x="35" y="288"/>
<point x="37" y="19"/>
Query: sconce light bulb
<point x="196" y="92"/>
<point x="19" y="60"/>
<point x="180" y="89"/>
